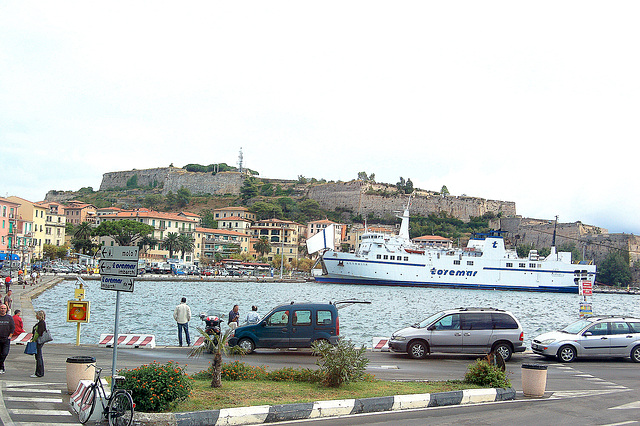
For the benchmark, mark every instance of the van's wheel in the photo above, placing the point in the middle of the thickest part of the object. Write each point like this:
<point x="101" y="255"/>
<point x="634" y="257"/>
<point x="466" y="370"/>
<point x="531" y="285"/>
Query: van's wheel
<point x="247" y="345"/>
<point x="635" y="354"/>
<point x="567" y="353"/>
<point x="418" y="350"/>
<point x="504" y="349"/>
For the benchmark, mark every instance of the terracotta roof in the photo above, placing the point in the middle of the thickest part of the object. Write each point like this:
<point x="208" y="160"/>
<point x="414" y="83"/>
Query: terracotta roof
<point x="327" y="221"/>
<point x="125" y="214"/>
<point x="431" y="238"/>
<point x="244" y="209"/>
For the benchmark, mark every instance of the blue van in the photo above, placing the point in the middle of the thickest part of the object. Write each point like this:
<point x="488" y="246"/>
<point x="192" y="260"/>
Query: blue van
<point x="296" y="325"/>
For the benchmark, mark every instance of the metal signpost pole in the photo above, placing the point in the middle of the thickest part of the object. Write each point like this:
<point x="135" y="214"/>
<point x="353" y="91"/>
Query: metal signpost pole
<point x="118" y="267"/>
<point x="115" y="342"/>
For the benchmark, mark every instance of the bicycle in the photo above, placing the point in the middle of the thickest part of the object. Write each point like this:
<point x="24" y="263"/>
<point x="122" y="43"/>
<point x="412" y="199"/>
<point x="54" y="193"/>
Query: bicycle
<point x="119" y="406"/>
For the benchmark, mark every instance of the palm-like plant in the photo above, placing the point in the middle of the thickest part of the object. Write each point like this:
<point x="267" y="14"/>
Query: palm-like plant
<point x="171" y="243"/>
<point x="262" y="246"/>
<point x="186" y="244"/>
<point x="219" y="345"/>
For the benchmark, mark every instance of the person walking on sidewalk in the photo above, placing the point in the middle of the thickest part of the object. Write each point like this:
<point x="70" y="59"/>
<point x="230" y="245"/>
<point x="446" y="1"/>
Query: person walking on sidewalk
<point x="7" y="283"/>
<point x="7" y="327"/>
<point x="8" y="300"/>
<point x="182" y="315"/>
<point x="38" y="330"/>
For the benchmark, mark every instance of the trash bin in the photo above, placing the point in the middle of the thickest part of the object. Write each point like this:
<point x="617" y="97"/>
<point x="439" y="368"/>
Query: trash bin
<point x="534" y="380"/>
<point x="79" y="368"/>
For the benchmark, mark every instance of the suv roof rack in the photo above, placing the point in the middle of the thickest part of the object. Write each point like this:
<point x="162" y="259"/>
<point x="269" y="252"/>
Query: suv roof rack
<point x="345" y="303"/>
<point x="471" y="308"/>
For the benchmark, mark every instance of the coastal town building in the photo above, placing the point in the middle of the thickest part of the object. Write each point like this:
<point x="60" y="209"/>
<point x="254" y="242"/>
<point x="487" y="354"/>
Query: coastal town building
<point x="235" y="223"/>
<point x="15" y="234"/>
<point x="35" y="213"/>
<point x="284" y="236"/>
<point x="54" y="223"/>
<point x="224" y="242"/>
<point x="78" y="212"/>
<point x="232" y="211"/>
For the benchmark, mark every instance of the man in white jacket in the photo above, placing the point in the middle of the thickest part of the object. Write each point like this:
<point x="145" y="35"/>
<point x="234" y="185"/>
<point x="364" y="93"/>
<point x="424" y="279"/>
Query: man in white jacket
<point x="182" y="315"/>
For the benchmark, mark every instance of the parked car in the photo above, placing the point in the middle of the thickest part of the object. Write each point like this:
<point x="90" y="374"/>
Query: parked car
<point x="462" y="330"/>
<point x="602" y="336"/>
<point x="296" y="325"/>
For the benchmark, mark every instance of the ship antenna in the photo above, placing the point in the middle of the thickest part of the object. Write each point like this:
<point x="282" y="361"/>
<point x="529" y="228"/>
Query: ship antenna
<point x="555" y="224"/>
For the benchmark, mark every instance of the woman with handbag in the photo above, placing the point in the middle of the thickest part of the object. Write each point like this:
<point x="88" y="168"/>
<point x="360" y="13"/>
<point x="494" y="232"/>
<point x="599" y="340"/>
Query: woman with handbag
<point x="38" y="330"/>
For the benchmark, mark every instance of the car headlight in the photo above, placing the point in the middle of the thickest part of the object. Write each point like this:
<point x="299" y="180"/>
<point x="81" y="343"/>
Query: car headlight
<point x="398" y="338"/>
<point x="548" y="341"/>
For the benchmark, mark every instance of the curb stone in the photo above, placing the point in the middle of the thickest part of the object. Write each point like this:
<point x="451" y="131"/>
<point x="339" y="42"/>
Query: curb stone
<point x="308" y="410"/>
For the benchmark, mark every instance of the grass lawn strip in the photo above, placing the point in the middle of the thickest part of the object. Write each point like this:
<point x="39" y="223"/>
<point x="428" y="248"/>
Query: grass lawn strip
<point x="245" y="393"/>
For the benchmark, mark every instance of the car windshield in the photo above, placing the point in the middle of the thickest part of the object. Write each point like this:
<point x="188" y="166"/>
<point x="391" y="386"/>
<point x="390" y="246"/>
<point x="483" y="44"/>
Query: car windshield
<point x="575" y="327"/>
<point x="426" y="322"/>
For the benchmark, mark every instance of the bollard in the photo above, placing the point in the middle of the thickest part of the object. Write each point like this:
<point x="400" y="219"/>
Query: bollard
<point x="534" y="380"/>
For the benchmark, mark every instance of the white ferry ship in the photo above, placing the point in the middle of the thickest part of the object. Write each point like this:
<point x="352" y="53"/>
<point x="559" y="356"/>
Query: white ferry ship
<point x="484" y="264"/>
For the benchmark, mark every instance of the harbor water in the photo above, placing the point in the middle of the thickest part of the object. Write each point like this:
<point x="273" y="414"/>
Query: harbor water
<point x="149" y="308"/>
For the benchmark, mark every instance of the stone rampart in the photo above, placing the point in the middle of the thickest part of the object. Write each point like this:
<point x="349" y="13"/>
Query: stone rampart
<point x="363" y="199"/>
<point x="146" y="177"/>
<point x="204" y="183"/>
<point x="172" y="179"/>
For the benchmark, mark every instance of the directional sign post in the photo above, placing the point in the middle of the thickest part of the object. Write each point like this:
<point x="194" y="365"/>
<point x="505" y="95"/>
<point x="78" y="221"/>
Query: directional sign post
<point x="118" y="267"/>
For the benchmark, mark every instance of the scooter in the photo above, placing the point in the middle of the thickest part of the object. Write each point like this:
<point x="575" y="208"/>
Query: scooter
<point x="212" y="327"/>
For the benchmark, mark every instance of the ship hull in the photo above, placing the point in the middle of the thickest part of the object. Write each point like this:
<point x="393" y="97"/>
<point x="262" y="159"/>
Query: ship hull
<point x="415" y="270"/>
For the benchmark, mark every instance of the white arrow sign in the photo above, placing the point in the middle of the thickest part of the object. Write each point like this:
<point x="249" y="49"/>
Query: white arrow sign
<point x="112" y="282"/>
<point x="119" y="252"/>
<point x="127" y="268"/>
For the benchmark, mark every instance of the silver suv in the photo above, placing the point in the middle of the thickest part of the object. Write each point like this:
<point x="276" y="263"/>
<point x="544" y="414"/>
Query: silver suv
<point x="462" y="330"/>
<point x="602" y="336"/>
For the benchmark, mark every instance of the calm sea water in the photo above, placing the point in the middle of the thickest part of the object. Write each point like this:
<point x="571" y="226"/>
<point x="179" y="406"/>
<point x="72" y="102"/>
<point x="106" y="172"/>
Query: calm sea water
<point x="149" y="309"/>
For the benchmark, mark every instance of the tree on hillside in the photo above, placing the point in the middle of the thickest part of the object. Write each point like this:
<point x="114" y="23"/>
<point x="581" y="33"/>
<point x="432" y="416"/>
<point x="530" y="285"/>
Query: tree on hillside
<point x="249" y="188"/>
<point x="614" y="270"/>
<point x="171" y="243"/>
<point x="311" y="209"/>
<point x="183" y="196"/>
<point x="208" y="219"/>
<point x="266" y="210"/>
<point x="444" y="190"/>
<point x="125" y="232"/>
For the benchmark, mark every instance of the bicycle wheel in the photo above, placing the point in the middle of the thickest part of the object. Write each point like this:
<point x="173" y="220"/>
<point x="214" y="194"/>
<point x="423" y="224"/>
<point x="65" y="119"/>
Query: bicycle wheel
<point x="87" y="403"/>
<point x="120" y="409"/>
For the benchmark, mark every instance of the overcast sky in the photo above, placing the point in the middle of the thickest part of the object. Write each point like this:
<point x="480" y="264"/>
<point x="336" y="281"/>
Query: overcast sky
<point x="531" y="102"/>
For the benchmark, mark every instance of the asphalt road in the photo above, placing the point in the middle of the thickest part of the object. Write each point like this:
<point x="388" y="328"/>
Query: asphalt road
<point x="596" y="392"/>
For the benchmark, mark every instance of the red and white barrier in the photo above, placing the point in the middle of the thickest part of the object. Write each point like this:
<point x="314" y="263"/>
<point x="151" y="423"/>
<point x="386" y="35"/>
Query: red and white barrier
<point x="76" y="397"/>
<point x="22" y="338"/>
<point x="128" y="341"/>
<point x="380" y="344"/>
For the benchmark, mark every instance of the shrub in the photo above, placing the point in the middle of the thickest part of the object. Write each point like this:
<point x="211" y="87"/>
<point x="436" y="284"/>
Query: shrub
<point x="156" y="387"/>
<point x="237" y="370"/>
<point x="482" y="373"/>
<point x="295" y="375"/>
<point x="340" y="363"/>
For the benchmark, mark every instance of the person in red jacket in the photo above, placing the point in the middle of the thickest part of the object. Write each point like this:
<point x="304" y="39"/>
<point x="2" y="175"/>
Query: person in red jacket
<point x="19" y="325"/>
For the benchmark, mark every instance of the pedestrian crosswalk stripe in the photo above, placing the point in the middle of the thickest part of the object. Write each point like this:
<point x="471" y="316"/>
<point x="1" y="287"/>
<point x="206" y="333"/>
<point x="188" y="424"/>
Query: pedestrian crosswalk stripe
<point x="631" y="405"/>
<point x="25" y="389"/>
<point x="27" y="399"/>
<point x="21" y="411"/>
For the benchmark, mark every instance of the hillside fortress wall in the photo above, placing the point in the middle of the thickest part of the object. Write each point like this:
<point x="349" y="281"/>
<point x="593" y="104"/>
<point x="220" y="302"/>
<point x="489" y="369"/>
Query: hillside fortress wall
<point x="356" y="196"/>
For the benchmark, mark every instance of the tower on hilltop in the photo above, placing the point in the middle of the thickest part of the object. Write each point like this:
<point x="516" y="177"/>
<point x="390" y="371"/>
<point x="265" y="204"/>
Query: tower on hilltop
<point x="240" y="161"/>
